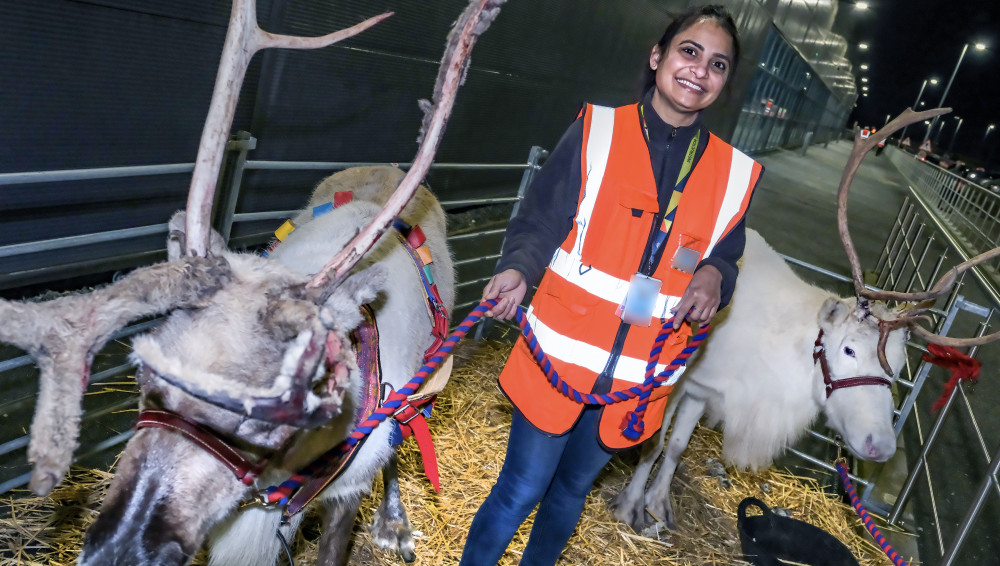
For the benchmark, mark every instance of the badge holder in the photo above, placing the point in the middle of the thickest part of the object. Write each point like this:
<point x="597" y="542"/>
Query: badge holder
<point x="637" y="309"/>
<point x="685" y="260"/>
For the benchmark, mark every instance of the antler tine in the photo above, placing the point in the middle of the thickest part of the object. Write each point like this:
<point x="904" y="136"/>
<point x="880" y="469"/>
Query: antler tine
<point x="858" y="152"/>
<point x="953" y="342"/>
<point x="471" y="24"/>
<point x="64" y="334"/>
<point x="243" y="39"/>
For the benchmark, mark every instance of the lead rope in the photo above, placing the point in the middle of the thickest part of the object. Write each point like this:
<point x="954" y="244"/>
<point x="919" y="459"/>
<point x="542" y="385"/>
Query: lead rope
<point x="633" y="428"/>
<point x="634" y="425"/>
<point x="866" y="519"/>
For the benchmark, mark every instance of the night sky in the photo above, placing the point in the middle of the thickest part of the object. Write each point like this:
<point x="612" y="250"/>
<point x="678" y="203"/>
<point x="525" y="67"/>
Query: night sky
<point x="911" y="40"/>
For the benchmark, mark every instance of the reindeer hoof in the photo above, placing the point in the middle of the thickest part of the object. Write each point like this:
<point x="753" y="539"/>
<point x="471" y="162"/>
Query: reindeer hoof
<point x="630" y="512"/>
<point x="394" y="536"/>
<point x="42" y="483"/>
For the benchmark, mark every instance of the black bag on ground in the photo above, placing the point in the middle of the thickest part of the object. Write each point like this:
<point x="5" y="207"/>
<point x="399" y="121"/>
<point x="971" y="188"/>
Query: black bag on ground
<point x="768" y="537"/>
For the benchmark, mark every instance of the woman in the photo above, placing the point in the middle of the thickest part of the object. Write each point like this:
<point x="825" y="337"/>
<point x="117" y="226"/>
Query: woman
<point x="654" y="227"/>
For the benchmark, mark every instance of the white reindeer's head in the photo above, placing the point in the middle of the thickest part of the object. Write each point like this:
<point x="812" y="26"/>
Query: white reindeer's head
<point x="855" y="394"/>
<point x="871" y="313"/>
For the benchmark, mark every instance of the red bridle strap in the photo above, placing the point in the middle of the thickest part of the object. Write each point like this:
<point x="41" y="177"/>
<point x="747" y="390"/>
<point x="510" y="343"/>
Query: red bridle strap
<point x="819" y="355"/>
<point x="245" y="470"/>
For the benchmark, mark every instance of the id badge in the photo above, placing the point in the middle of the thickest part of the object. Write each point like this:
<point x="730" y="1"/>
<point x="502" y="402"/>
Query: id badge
<point x="640" y="300"/>
<point x="685" y="259"/>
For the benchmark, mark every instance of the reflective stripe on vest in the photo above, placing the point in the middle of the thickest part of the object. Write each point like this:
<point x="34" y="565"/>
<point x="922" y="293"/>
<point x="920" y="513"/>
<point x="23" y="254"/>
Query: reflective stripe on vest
<point x="592" y="357"/>
<point x="572" y="311"/>
<point x="569" y="266"/>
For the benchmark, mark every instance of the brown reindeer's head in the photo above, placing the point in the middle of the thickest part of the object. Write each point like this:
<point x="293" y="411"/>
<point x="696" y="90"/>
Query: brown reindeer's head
<point x="264" y="359"/>
<point x="250" y="350"/>
<point x="287" y="321"/>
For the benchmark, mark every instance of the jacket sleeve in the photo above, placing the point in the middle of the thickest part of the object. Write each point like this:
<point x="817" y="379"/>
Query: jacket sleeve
<point x="726" y="253"/>
<point x="545" y="216"/>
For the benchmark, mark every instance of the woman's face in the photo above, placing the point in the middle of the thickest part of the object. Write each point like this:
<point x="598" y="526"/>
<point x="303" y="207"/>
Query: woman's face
<point x="691" y="71"/>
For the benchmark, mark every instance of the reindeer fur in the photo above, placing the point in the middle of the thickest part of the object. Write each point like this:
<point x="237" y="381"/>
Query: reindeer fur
<point x="755" y="378"/>
<point x="173" y="496"/>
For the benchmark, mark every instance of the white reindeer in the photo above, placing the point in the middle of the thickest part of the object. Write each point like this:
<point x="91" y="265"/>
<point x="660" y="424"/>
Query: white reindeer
<point x="252" y="374"/>
<point x="786" y="351"/>
<point x="755" y="377"/>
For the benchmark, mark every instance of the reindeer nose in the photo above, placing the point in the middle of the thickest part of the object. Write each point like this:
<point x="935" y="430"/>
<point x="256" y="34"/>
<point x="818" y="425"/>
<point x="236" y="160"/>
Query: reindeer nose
<point x="879" y="451"/>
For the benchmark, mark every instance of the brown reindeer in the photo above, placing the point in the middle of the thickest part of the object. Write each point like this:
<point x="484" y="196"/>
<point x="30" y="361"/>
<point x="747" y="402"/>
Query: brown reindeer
<point x="253" y="373"/>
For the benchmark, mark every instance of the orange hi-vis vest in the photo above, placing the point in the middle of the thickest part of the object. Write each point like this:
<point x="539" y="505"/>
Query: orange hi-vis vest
<point x="573" y="310"/>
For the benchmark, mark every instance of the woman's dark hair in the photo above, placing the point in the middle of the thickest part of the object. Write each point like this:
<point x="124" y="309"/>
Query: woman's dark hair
<point x="713" y="12"/>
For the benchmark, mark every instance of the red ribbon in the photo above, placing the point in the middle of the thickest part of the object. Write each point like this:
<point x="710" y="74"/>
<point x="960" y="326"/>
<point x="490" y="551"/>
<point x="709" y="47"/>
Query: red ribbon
<point x="960" y="365"/>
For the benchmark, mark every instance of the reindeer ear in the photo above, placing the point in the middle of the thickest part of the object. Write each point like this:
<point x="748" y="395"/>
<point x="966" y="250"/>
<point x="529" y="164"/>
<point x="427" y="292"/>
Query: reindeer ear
<point x="833" y="312"/>
<point x="341" y="307"/>
<point x="177" y="238"/>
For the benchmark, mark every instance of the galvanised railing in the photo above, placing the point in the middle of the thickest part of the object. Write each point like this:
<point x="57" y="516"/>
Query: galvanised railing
<point x="971" y="213"/>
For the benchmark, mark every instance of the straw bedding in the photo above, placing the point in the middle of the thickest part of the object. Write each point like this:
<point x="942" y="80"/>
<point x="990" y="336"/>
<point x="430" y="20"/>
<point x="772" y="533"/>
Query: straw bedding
<point x="470" y="425"/>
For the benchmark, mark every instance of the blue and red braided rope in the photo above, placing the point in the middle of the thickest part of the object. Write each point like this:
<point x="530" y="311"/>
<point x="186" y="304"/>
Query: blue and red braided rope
<point x="866" y="518"/>
<point x="633" y="429"/>
<point x="280" y="494"/>
<point x="634" y="426"/>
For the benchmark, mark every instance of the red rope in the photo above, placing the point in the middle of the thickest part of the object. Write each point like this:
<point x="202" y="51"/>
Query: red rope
<point x="960" y="365"/>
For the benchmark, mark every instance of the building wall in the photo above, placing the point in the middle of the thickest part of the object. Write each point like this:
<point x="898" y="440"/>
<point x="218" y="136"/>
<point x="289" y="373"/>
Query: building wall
<point x="111" y="83"/>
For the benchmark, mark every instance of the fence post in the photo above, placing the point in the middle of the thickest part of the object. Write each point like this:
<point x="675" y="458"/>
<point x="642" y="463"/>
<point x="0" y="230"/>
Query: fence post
<point x="242" y="143"/>
<point x="535" y="155"/>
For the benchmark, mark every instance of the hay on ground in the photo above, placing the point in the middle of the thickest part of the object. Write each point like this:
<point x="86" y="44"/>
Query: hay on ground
<point x="470" y="425"/>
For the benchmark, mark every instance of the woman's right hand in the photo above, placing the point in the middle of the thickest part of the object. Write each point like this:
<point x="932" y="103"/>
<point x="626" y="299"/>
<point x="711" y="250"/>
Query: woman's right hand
<point x="509" y="288"/>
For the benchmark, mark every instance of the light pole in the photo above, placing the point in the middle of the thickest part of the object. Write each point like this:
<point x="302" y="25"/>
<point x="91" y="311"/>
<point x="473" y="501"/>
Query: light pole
<point x="916" y="103"/>
<point x="965" y="47"/>
<point x="986" y="153"/>
<point x="955" y="134"/>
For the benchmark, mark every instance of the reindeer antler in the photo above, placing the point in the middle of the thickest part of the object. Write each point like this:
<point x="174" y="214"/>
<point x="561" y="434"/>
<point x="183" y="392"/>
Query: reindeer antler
<point x="64" y="334"/>
<point x="858" y="152"/>
<point x="914" y="315"/>
<point x="243" y="39"/>
<point x="476" y="18"/>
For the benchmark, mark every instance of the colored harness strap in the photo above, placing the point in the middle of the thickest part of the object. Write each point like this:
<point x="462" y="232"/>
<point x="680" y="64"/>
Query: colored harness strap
<point x="319" y="473"/>
<point x="245" y="470"/>
<point x="411" y="420"/>
<point x="412" y="238"/>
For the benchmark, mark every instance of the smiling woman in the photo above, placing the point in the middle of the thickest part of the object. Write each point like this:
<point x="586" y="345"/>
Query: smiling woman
<point x="691" y="71"/>
<point x="652" y="232"/>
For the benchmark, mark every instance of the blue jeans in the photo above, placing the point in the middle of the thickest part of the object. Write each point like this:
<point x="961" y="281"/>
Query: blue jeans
<point x="558" y="471"/>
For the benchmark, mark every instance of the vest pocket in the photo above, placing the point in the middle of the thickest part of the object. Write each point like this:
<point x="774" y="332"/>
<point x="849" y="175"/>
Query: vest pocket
<point x="618" y="232"/>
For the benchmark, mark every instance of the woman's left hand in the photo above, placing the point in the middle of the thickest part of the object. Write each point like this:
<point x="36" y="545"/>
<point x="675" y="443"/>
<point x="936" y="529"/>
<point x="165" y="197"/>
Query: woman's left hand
<point x="703" y="295"/>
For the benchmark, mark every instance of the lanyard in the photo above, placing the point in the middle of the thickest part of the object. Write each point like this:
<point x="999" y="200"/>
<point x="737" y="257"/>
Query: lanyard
<point x="675" y="197"/>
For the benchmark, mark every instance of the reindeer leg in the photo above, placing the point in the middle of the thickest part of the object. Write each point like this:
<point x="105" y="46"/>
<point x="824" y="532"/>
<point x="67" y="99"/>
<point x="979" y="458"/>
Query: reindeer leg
<point x="658" y="497"/>
<point x="338" y="520"/>
<point x="629" y="505"/>
<point x="390" y="527"/>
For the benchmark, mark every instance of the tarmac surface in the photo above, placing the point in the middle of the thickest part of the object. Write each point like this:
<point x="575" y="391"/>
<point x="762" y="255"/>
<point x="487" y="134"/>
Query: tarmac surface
<point x="795" y="208"/>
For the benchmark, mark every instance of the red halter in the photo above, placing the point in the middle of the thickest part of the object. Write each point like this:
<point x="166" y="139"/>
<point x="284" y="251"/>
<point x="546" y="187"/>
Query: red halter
<point x="819" y="354"/>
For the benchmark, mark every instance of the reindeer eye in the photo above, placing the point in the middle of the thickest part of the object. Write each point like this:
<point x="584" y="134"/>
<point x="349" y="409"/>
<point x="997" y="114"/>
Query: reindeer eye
<point x="849" y="351"/>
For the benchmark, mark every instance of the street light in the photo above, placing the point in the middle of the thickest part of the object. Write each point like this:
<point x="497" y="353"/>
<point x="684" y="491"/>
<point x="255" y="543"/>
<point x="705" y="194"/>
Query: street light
<point x="965" y="47"/>
<point x="989" y="129"/>
<point x="917" y="103"/>
<point x="955" y="134"/>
